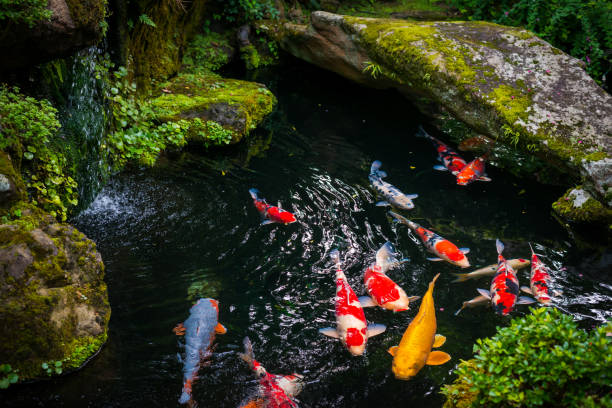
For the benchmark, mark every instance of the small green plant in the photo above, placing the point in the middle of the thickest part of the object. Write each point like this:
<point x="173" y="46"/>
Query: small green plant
<point x="29" y="133"/>
<point x="542" y="359"/>
<point x="511" y="135"/>
<point x="146" y="20"/>
<point x="8" y="376"/>
<point x="24" y="11"/>
<point x="244" y="11"/>
<point x="52" y="367"/>
<point x="372" y="68"/>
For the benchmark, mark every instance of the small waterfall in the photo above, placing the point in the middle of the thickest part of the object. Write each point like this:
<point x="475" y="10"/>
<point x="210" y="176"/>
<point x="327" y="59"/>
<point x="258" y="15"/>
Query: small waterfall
<point x="84" y="117"/>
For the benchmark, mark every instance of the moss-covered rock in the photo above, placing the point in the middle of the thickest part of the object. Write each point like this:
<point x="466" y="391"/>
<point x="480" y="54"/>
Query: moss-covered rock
<point x="12" y="188"/>
<point x="74" y="24"/>
<point x="208" y="52"/>
<point x="235" y="106"/>
<point x="504" y="82"/>
<point x="53" y="300"/>
<point x="578" y="205"/>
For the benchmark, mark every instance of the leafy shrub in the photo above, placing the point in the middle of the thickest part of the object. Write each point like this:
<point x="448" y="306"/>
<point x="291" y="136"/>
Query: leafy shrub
<point x="244" y="11"/>
<point x="29" y="132"/>
<point x="24" y="11"/>
<point x="542" y="359"/>
<point x="579" y="27"/>
<point x="8" y="376"/>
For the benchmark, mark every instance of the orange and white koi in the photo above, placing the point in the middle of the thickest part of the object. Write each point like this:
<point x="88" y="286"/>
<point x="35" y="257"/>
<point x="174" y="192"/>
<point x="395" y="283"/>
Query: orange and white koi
<point x="382" y="290"/>
<point x="442" y="248"/>
<point x="269" y="212"/>
<point x="504" y="291"/>
<point x="450" y="159"/>
<point x="473" y="171"/>
<point x="275" y="391"/>
<point x="391" y="193"/>
<point x="351" y="326"/>
<point x="199" y="331"/>
<point x="539" y="280"/>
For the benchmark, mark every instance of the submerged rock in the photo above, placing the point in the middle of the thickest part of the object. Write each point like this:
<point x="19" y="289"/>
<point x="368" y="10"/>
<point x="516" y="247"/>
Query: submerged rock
<point x="227" y="109"/>
<point x="506" y="83"/>
<point x="53" y="301"/>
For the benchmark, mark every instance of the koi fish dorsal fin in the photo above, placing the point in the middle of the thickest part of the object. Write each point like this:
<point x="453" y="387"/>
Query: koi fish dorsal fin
<point x="439" y="340"/>
<point x="500" y="246"/>
<point x="437" y="358"/>
<point x="220" y="329"/>
<point x="392" y="350"/>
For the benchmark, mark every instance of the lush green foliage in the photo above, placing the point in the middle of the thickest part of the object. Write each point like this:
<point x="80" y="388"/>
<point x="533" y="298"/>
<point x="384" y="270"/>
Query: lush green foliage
<point x="541" y="359"/>
<point x="29" y="133"/>
<point x="242" y="11"/>
<point x="581" y="28"/>
<point x="8" y="376"/>
<point x="206" y="53"/>
<point x="24" y="11"/>
<point x="52" y="367"/>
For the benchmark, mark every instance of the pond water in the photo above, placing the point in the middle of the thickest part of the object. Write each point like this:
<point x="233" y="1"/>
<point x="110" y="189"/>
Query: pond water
<point x="188" y="228"/>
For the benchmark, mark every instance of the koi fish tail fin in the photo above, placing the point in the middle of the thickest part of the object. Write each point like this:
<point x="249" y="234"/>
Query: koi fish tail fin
<point x="186" y="394"/>
<point x="402" y="219"/>
<point x="248" y="355"/>
<point x="375" y="169"/>
<point x="254" y="193"/>
<point x="385" y="257"/>
<point x="422" y="133"/>
<point x="500" y="246"/>
<point x="461" y="277"/>
<point x="433" y="282"/>
<point x="335" y="257"/>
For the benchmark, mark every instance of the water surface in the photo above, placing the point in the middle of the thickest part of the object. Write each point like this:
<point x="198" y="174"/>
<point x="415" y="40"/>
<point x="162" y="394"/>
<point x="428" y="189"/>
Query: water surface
<point x="188" y="228"/>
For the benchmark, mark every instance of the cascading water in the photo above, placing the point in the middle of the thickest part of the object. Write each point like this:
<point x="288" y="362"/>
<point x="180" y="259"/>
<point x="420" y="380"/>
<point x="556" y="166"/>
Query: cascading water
<point x="84" y="118"/>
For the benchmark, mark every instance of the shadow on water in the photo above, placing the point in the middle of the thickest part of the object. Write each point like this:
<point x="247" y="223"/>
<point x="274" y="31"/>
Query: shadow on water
<point x="188" y="228"/>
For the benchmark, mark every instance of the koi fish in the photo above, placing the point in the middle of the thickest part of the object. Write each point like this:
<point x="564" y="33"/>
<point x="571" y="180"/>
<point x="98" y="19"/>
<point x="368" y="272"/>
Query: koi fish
<point x="391" y="193"/>
<point x="442" y="248"/>
<point x="450" y="159"/>
<point x="275" y="391"/>
<point x="382" y="290"/>
<point x="269" y="212"/>
<point x="351" y="327"/>
<point x="414" y="350"/>
<point x="503" y="294"/>
<point x="199" y="330"/>
<point x="538" y="282"/>
<point x="473" y="171"/>
<point x="516" y="264"/>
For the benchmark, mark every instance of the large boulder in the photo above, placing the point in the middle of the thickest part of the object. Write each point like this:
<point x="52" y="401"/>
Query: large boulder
<point x="53" y="300"/>
<point x="506" y="83"/>
<point x="74" y="24"/>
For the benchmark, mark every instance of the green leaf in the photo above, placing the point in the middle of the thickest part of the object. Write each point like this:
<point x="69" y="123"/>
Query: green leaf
<point x="28" y="155"/>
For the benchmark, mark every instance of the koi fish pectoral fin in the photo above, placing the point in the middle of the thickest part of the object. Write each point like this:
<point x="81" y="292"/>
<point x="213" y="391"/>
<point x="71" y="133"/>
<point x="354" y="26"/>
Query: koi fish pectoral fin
<point x="367" y="301"/>
<point x="557" y="293"/>
<point x="465" y="250"/>
<point x="437" y="358"/>
<point x="330" y="332"/>
<point x="439" y="340"/>
<point x="439" y="167"/>
<point x="392" y="350"/>
<point x="382" y="204"/>
<point x="484" y="293"/>
<point x="411" y="196"/>
<point x="179" y="330"/>
<point x="526" y="290"/>
<point x="435" y="259"/>
<point x="484" y="178"/>
<point x="525" y="300"/>
<point x="413" y="299"/>
<point x="266" y="222"/>
<point x="220" y="329"/>
<point x="375" y="329"/>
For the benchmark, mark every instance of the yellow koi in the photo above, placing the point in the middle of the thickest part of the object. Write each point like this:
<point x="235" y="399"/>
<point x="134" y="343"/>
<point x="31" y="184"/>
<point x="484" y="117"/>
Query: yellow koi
<point x="414" y="350"/>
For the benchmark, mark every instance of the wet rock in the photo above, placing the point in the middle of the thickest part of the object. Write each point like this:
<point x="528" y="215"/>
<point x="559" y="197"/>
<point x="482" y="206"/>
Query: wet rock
<point x="504" y="82"/>
<point x="11" y="185"/>
<point x="53" y="299"/>
<point x="577" y="205"/>
<point x="74" y="25"/>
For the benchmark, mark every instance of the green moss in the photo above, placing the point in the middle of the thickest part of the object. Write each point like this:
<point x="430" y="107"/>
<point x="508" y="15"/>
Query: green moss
<point x="194" y="96"/>
<point x="250" y="56"/>
<point x="510" y="103"/>
<point x="416" y="8"/>
<point x="87" y="12"/>
<point x="82" y="348"/>
<point x="591" y="211"/>
<point x="596" y="156"/>
<point x="207" y="52"/>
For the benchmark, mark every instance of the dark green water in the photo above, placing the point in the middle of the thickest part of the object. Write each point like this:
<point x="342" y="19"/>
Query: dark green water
<point x="189" y="228"/>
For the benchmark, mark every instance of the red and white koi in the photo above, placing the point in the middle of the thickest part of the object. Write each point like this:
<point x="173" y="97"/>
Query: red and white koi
<point x="473" y="171"/>
<point x="382" y="290"/>
<point x="539" y="280"/>
<point x="504" y="291"/>
<point x="351" y="326"/>
<point x="269" y="212"/>
<point x="450" y="159"/>
<point x="391" y="193"/>
<point x="275" y="391"/>
<point x="442" y="248"/>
